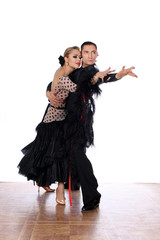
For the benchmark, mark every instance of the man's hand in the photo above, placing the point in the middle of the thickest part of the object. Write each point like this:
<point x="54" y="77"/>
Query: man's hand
<point x="104" y="73"/>
<point x="55" y="102"/>
<point x="124" y="72"/>
<point x="101" y="75"/>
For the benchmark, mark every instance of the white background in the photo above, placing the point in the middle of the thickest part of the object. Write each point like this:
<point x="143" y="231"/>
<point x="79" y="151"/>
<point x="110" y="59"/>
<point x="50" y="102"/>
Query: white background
<point x="127" y="123"/>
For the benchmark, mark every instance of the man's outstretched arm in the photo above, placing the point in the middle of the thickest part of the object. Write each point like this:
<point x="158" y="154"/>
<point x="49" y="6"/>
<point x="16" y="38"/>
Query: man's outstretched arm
<point x="117" y="76"/>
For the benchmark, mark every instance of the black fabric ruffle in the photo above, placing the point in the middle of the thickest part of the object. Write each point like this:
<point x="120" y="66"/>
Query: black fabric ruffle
<point x="81" y="108"/>
<point x="46" y="159"/>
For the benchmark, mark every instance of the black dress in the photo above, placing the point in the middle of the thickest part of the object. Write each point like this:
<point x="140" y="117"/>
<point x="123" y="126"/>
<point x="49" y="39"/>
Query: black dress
<point x="46" y="159"/>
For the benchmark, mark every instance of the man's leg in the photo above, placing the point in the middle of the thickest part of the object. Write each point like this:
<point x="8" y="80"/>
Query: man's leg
<point x="87" y="179"/>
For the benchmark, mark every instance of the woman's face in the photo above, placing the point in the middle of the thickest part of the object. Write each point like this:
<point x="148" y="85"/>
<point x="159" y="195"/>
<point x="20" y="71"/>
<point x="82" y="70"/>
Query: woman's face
<point x="74" y="59"/>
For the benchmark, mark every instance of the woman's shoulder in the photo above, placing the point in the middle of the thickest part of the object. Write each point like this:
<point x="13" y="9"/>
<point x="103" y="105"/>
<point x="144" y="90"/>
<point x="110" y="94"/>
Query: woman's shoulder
<point x="63" y="80"/>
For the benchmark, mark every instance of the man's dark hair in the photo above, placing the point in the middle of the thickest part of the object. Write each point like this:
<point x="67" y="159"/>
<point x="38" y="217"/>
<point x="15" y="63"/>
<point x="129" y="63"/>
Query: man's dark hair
<point x="88" y="43"/>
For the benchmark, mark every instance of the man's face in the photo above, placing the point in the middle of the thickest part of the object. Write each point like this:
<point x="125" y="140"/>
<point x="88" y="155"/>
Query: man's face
<point x="89" y="55"/>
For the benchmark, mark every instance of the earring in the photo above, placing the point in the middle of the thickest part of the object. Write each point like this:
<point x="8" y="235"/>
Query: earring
<point x="66" y="63"/>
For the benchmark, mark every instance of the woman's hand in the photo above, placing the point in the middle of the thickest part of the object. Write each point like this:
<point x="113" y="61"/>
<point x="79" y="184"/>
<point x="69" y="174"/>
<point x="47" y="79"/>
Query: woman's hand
<point x="125" y="72"/>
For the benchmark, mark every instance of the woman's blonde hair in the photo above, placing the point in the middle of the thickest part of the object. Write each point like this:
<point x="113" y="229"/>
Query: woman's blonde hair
<point x="69" y="50"/>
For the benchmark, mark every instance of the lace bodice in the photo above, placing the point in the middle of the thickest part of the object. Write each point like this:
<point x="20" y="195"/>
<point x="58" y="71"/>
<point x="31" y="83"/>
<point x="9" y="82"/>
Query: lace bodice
<point x="61" y="91"/>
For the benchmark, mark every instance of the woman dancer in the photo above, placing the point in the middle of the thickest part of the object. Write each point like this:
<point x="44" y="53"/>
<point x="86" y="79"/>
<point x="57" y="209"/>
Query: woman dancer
<point x="45" y="160"/>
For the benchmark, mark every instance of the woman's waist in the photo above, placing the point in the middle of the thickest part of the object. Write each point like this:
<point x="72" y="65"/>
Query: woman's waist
<point x="55" y="114"/>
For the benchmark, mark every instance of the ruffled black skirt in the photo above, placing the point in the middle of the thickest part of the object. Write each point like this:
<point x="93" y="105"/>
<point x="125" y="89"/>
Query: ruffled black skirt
<point x="46" y="159"/>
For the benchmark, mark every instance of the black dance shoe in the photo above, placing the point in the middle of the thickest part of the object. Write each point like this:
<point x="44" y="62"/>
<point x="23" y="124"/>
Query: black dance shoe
<point x="91" y="206"/>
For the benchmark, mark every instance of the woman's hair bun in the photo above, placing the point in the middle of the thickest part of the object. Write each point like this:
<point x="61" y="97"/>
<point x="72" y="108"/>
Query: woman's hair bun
<point x="61" y="60"/>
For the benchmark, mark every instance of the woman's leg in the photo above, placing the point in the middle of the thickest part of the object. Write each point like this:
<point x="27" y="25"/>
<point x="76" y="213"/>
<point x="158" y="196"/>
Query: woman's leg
<point x="60" y="196"/>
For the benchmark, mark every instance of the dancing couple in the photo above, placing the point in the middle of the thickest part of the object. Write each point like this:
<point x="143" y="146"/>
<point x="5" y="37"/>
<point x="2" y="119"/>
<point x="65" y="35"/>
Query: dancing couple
<point x="58" y="153"/>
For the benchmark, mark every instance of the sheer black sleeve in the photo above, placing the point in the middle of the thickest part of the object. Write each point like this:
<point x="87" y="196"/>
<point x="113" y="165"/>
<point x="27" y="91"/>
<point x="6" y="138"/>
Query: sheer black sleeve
<point x="109" y="78"/>
<point x="49" y="87"/>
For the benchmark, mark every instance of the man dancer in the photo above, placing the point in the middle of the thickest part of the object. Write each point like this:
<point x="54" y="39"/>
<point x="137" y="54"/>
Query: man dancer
<point x="81" y="108"/>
